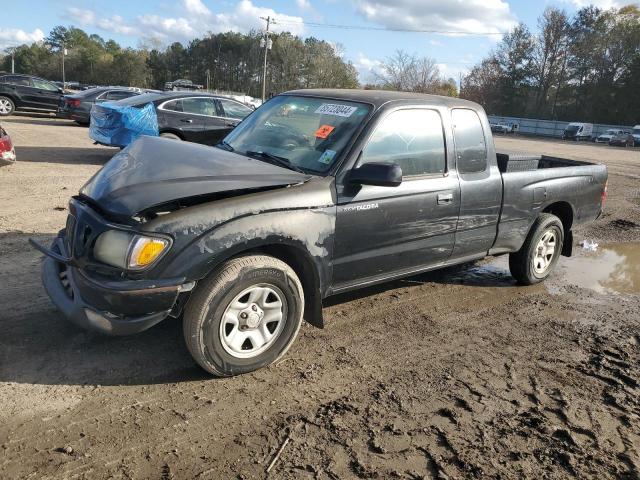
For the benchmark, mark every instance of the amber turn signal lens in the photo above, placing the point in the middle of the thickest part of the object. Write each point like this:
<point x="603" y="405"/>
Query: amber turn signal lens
<point x="145" y="251"/>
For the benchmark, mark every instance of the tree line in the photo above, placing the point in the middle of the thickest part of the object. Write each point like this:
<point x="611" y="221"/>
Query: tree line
<point x="580" y="68"/>
<point x="229" y="61"/>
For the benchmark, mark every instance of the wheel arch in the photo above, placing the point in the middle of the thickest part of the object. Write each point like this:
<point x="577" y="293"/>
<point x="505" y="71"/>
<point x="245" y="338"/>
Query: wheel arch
<point x="300" y="260"/>
<point x="564" y="211"/>
<point x="176" y="132"/>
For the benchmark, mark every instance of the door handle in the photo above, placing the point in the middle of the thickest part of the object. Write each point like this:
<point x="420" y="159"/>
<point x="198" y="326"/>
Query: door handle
<point x="445" y="198"/>
<point x="186" y="120"/>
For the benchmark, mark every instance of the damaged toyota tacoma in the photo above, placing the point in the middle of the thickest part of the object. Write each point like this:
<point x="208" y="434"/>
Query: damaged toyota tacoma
<point x="315" y="193"/>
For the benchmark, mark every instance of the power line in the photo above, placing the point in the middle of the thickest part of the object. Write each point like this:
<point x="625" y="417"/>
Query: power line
<point x="384" y="29"/>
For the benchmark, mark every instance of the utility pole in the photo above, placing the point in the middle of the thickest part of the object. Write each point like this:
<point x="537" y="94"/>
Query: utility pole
<point x="12" y="50"/>
<point x="64" y="52"/>
<point x="267" y="45"/>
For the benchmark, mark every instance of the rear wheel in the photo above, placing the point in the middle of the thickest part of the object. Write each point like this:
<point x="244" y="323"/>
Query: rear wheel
<point x="6" y="106"/>
<point x="170" y="135"/>
<point x="539" y="254"/>
<point x="244" y="316"/>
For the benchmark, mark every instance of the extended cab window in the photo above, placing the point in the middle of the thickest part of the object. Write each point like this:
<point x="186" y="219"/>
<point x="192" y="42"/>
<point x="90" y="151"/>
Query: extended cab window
<point x="471" y="149"/>
<point x="412" y="139"/>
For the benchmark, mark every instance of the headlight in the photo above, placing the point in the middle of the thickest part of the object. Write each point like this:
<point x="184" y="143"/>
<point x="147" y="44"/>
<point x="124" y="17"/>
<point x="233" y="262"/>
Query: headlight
<point x="128" y="251"/>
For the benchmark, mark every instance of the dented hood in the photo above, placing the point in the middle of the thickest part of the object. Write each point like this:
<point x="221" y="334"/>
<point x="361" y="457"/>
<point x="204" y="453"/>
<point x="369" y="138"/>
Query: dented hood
<point x="153" y="171"/>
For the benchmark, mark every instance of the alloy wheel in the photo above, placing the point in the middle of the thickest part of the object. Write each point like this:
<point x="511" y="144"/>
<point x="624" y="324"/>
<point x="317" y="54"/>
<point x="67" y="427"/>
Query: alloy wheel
<point x="545" y="251"/>
<point x="253" y="320"/>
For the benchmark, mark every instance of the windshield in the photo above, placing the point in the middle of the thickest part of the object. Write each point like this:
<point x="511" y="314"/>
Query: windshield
<point x="636" y="131"/>
<point x="309" y="133"/>
<point x="572" y="128"/>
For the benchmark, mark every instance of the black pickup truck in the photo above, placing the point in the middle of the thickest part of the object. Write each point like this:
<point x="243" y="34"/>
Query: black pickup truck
<point x="317" y="192"/>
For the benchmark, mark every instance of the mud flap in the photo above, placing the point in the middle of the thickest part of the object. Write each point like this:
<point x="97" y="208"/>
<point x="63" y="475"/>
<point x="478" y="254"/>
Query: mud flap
<point x="567" y="246"/>
<point x="313" y="311"/>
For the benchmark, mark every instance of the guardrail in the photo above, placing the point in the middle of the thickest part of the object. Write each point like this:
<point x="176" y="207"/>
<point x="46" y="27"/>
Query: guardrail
<point x="549" y="128"/>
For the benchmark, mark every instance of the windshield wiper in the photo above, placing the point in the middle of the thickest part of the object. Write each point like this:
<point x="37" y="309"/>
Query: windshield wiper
<point x="225" y="146"/>
<point x="274" y="159"/>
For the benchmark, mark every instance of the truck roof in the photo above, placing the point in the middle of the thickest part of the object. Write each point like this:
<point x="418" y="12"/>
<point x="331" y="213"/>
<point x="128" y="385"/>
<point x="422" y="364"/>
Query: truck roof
<point x="380" y="97"/>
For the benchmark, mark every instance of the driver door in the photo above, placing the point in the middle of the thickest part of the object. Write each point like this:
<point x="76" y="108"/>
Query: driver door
<point x="382" y="231"/>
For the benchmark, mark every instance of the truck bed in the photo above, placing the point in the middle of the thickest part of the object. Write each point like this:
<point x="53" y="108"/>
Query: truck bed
<point x="520" y="162"/>
<point x="533" y="184"/>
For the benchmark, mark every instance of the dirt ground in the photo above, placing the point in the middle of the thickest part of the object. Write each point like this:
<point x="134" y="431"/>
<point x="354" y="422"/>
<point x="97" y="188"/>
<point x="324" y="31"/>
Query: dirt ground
<point x="454" y="374"/>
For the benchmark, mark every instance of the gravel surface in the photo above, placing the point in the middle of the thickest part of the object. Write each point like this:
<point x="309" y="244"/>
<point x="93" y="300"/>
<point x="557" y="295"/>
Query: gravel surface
<point x="454" y="374"/>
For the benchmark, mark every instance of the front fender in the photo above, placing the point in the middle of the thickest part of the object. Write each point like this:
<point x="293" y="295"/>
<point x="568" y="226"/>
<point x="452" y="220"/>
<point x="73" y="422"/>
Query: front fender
<point x="308" y="230"/>
<point x="307" y="235"/>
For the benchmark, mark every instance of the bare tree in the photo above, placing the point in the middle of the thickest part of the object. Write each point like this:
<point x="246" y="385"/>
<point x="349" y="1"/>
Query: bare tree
<point x="409" y="73"/>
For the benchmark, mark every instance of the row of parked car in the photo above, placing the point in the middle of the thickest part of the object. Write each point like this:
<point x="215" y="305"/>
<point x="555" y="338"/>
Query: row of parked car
<point x="181" y="115"/>
<point x="618" y="137"/>
<point x="583" y="131"/>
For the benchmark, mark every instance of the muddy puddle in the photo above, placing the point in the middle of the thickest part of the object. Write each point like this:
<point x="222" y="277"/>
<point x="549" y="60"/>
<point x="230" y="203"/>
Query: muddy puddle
<point x="612" y="268"/>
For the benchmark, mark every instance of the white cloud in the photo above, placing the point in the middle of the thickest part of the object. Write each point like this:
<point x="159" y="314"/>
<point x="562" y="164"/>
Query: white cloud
<point x="303" y="4"/>
<point x="368" y="68"/>
<point x="604" y="4"/>
<point x="88" y="18"/>
<point x="196" y="20"/>
<point x="82" y="16"/>
<point x="10" y="37"/>
<point x="469" y="16"/>
<point x="116" y="24"/>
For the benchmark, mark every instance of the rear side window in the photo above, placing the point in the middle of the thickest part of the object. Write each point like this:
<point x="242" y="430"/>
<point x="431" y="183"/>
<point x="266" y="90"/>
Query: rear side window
<point x="174" y="106"/>
<point x="17" y="80"/>
<point x="412" y="139"/>
<point x="471" y="149"/>
<point x="234" y="109"/>
<point x="118" y="94"/>
<point x="199" y="106"/>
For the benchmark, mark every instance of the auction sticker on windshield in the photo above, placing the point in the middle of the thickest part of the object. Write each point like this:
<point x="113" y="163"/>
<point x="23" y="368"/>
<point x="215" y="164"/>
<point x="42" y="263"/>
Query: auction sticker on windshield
<point x="324" y="131"/>
<point x="336" y="109"/>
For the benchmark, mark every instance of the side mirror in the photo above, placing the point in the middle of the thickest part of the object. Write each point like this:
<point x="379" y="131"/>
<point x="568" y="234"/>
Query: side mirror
<point x="378" y="174"/>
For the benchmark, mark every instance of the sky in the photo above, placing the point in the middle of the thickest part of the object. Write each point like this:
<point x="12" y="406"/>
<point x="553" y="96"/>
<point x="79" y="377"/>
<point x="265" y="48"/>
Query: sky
<point x="467" y="29"/>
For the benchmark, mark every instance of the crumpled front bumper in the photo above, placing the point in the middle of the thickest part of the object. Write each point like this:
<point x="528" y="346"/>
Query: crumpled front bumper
<point x="115" y="307"/>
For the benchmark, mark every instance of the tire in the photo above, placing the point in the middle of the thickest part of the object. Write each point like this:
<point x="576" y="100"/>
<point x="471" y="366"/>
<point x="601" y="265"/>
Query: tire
<point x="223" y="331"/>
<point x="170" y="135"/>
<point x="530" y="265"/>
<point x="7" y="107"/>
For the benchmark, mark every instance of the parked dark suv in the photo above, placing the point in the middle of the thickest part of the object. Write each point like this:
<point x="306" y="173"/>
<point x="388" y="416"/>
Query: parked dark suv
<point x="77" y="106"/>
<point x="26" y="92"/>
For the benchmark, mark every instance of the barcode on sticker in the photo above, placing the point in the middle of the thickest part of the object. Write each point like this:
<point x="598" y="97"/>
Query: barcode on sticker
<point x="336" y="109"/>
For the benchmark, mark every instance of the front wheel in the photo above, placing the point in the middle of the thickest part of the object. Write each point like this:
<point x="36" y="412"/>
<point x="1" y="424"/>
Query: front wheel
<point x="244" y="316"/>
<point x="6" y="106"/>
<point x="539" y="254"/>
